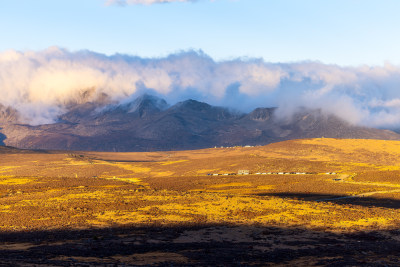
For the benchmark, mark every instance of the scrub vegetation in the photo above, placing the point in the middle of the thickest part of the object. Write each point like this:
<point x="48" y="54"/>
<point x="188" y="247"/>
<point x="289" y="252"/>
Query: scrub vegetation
<point x="315" y="187"/>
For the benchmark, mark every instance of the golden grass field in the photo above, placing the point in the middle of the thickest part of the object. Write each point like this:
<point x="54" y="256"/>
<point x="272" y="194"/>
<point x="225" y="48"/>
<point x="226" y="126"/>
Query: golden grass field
<point x="271" y="218"/>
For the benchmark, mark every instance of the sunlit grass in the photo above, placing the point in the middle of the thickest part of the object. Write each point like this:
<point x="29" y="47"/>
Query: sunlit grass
<point x="214" y="208"/>
<point x="173" y="162"/>
<point x="231" y="185"/>
<point x="177" y="190"/>
<point x="5" y="169"/>
<point x="12" y="180"/>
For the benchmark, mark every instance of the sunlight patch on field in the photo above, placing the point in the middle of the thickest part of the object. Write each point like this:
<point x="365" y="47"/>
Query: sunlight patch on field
<point x="131" y="180"/>
<point x="124" y="179"/>
<point x="231" y="185"/>
<point x="4" y="180"/>
<point x="162" y="173"/>
<point x="365" y="223"/>
<point x="173" y="162"/>
<point x="351" y="145"/>
<point x="389" y="168"/>
<point x="238" y="191"/>
<point x="74" y="162"/>
<point x="4" y="169"/>
<point x="135" y="169"/>
<point x="27" y="202"/>
<point x="216" y="208"/>
<point x="163" y="196"/>
<point x="5" y="208"/>
<point x="265" y="187"/>
<point x="85" y="195"/>
<point x="382" y="184"/>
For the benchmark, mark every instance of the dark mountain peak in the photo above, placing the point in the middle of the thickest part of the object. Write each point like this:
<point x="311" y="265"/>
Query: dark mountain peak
<point x="145" y="123"/>
<point x="144" y="105"/>
<point x="203" y="110"/>
<point x="151" y="101"/>
<point x="84" y="106"/>
<point x="79" y="113"/>
<point x="261" y="114"/>
<point x="193" y="105"/>
<point x="302" y="115"/>
<point x="102" y="112"/>
<point x="316" y="118"/>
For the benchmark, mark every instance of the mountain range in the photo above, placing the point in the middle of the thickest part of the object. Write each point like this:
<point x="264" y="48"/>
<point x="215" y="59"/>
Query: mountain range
<point x="149" y="123"/>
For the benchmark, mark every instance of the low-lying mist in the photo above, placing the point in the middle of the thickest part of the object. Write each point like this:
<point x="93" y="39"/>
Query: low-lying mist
<point x="42" y="85"/>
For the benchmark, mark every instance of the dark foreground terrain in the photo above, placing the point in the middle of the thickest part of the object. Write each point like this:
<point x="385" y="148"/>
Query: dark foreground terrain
<point x="202" y="245"/>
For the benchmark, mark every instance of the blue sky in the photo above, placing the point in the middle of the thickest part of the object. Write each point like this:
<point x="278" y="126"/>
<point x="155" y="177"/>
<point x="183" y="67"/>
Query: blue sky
<point x="340" y="56"/>
<point x="344" y="32"/>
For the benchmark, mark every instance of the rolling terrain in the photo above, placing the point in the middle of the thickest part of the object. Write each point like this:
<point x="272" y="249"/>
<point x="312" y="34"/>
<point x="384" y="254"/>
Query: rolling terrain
<point x="148" y="123"/>
<point x="331" y="202"/>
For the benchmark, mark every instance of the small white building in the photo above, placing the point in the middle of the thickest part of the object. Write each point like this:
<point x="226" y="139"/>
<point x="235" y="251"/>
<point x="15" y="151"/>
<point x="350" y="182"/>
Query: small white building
<point x="243" y="172"/>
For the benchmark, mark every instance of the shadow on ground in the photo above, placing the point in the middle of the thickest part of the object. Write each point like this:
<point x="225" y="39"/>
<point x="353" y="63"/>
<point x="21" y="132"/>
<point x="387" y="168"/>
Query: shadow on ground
<point x="340" y="199"/>
<point x="205" y="245"/>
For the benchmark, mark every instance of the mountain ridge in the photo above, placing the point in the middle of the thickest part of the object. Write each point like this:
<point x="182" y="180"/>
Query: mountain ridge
<point x="148" y="123"/>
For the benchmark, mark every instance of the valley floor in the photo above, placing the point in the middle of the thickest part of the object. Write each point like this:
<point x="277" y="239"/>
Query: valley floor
<point x="161" y="208"/>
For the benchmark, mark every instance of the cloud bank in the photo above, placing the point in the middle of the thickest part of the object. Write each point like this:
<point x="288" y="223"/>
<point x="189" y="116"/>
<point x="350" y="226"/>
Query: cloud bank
<point x="42" y="85"/>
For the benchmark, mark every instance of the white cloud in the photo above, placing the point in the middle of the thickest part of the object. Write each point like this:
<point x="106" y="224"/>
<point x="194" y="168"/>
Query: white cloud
<point x="42" y="84"/>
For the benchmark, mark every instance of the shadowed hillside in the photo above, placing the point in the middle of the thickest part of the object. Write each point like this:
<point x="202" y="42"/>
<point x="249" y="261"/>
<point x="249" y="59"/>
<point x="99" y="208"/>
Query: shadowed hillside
<point x="2" y="137"/>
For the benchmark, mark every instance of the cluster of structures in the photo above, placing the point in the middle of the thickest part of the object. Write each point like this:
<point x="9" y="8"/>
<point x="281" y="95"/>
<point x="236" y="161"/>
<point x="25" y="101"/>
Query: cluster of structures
<point x="234" y="146"/>
<point x="247" y="172"/>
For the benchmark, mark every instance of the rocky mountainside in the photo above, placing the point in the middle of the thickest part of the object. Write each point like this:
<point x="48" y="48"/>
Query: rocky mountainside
<point x="148" y="123"/>
<point x="8" y="115"/>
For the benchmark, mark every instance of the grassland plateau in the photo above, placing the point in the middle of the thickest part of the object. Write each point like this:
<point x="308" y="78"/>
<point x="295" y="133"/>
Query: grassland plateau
<point x="332" y="202"/>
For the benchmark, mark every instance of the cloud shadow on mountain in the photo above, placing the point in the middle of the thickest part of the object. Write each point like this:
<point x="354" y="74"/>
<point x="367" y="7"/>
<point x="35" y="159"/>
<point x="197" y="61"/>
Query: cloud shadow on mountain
<point x="2" y="138"/>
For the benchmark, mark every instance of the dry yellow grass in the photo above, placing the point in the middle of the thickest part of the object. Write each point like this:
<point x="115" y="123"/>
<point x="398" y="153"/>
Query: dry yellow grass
<point x="12" y="180"/>
<point x="173" y="162"/>
<point x="172" y="188"/>
<point x="352" y="146"/>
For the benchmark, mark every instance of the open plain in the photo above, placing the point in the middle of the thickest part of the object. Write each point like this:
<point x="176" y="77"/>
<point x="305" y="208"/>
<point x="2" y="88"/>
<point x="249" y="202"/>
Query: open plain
<point x="331" y="202"/>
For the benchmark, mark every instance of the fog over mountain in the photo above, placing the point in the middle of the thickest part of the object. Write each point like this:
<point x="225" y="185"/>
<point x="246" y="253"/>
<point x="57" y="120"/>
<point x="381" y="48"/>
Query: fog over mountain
<point x="149" y="123"/>
<point x="41" y="86"/>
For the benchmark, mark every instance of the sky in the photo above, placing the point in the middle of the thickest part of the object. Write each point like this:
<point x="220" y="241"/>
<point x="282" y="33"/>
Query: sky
<point x="343" y="32"/>
<point x="339" y="56"/>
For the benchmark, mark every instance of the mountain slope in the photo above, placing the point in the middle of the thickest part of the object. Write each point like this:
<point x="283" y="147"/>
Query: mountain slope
<point x="148" y="123"/>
